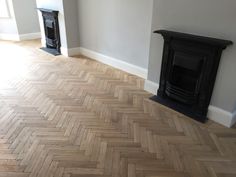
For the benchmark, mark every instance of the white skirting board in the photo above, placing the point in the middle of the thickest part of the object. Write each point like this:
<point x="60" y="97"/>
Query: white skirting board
<point x="9" y="37"/>
<point x="70" y="52"/>
<point x="216" y="114"/>
<point x="221" y="116"/>
<point x="151" y="87"/>
<point x="20" y="37"/>
<point x="116" y="63"/>
<point x="29" y="36"/>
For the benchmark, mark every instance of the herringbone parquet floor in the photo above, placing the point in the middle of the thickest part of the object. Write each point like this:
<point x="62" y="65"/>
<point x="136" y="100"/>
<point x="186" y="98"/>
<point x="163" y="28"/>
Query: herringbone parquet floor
<point x="75" y="117"/>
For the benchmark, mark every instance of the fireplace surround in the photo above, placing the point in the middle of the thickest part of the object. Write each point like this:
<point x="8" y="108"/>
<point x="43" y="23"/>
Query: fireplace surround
<point x="188" y="72"/>
<point x="52" y="32"/>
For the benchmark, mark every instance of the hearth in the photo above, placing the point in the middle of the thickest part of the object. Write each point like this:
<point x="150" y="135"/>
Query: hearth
<point x="188" y="73"/>
<point x="51" y="28"/>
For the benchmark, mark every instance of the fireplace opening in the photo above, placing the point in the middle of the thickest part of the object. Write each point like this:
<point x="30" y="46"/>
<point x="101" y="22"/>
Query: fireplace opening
<point x="51" y="34"/>
<point x="184" y="78"/>
<point x="51" y="29"/>
<point x="188" y="73"/>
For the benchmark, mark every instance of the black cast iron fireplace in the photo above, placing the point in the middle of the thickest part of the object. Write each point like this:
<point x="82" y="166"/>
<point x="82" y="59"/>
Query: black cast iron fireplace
<point x="188" y="73"/>
<point x="51" y="29"/>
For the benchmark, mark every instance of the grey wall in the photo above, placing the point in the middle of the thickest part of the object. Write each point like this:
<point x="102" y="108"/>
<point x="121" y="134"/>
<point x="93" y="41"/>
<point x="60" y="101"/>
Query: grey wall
<point x="71" y="22"/>
<point x="26" y="16"/>
<point x="117" y="28"/>
<point x="214" y="18"/>
<point x="8" y="25"/>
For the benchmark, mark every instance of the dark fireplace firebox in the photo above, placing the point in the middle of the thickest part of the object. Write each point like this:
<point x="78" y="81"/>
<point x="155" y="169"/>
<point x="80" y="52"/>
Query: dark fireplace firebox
<point x="51" y="29"/>
<point x="188" y="73"/>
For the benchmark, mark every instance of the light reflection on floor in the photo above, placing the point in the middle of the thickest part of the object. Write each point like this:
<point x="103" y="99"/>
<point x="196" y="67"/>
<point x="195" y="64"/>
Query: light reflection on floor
<point x="13" y="63"/>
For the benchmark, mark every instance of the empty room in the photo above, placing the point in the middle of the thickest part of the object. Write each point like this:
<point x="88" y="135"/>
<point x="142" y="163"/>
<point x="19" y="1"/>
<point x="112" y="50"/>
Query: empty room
<point x="117" y="88"/>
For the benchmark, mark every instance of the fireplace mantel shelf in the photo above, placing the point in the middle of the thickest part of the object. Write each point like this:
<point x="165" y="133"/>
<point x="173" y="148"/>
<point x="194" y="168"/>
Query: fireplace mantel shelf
<point x="207" y="40"/>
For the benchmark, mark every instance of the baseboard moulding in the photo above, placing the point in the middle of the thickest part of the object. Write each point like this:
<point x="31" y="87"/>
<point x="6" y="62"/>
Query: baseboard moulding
<point x="116" y="63"/>
<point x="9" y="37"/>
<point x="29" y="36"/>
<point x="20" y="37"/>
